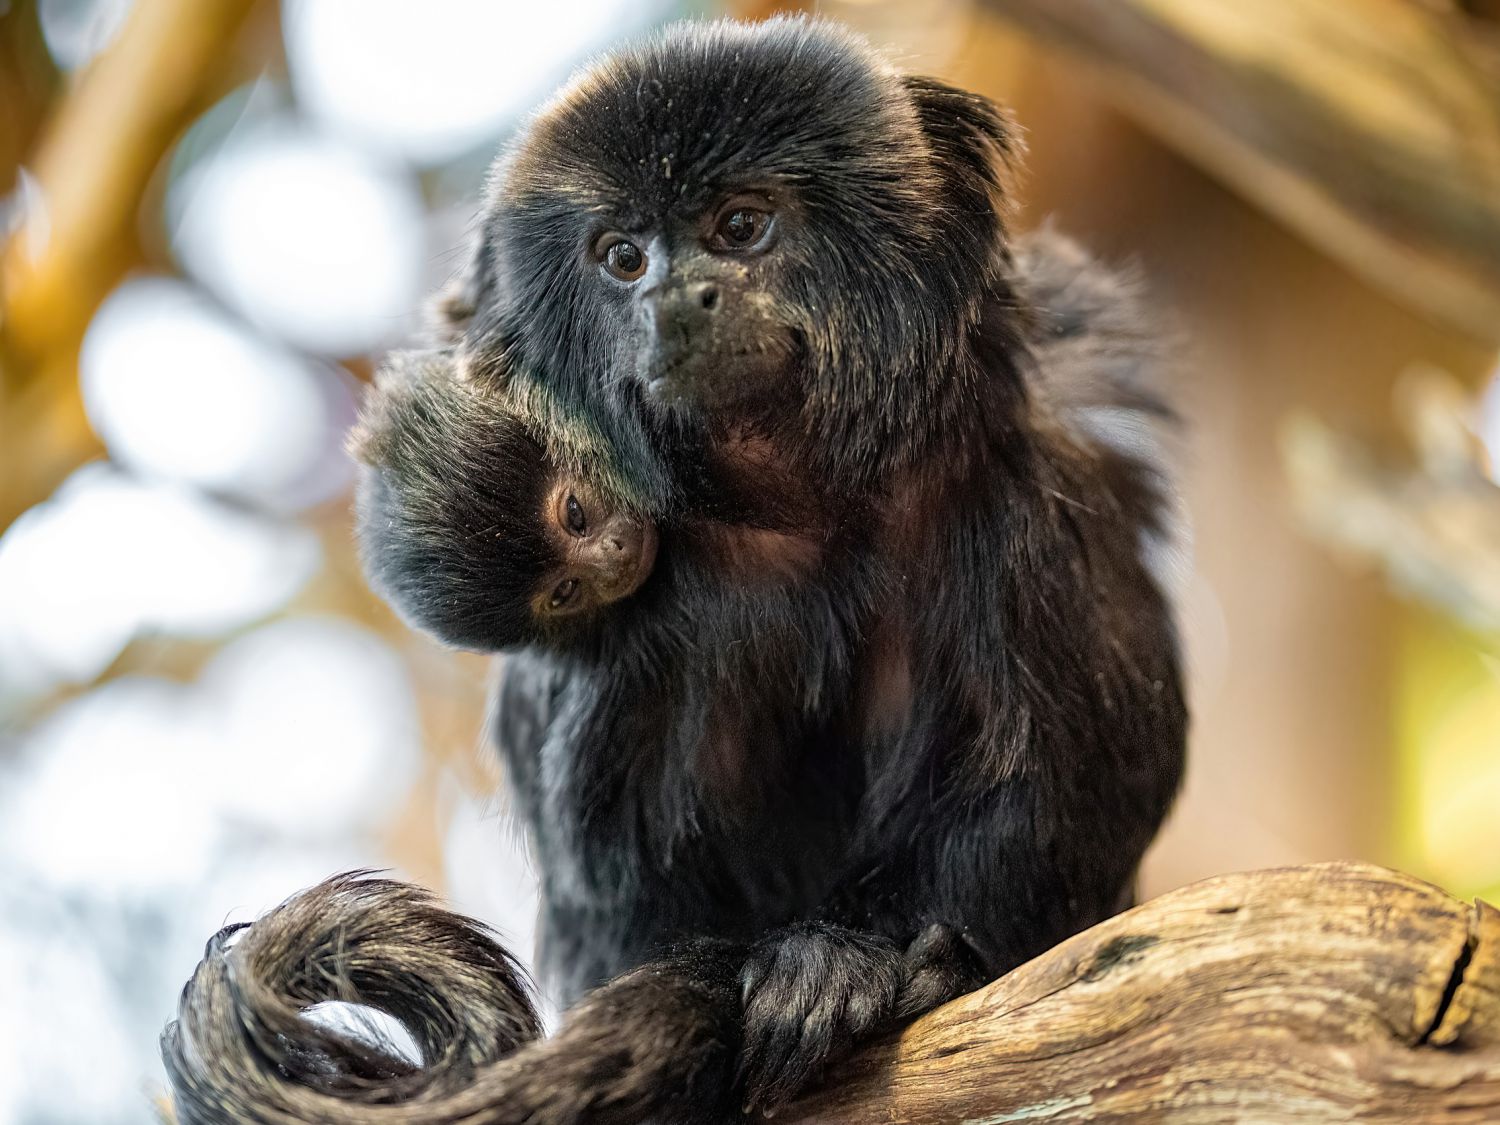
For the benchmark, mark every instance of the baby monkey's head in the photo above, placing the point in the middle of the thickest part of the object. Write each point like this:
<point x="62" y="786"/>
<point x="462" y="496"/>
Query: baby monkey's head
<point x="470" y="527"/>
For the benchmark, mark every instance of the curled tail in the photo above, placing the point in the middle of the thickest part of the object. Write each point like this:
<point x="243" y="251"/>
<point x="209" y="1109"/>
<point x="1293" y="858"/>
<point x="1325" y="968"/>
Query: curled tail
<point x="654" y="1044"/>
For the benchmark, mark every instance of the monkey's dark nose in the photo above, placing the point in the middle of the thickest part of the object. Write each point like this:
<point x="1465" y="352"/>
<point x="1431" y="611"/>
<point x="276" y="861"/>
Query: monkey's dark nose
<point x="686" y="310"/>
<point x="689" y="318"/>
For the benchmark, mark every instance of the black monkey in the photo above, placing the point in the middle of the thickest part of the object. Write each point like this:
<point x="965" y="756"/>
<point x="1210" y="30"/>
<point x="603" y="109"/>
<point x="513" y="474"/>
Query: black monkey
<point x="768" y="224"/>
<point x="471" y="526"/>
<point x="936" y="734"/>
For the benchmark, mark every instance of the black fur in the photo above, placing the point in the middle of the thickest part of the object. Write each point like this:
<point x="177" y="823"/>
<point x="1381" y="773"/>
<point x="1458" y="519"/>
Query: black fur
<point x="900" y="707"/>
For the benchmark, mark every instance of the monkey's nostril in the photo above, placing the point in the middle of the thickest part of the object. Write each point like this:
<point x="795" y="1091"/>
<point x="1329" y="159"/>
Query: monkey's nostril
<point x="710" y="297"/>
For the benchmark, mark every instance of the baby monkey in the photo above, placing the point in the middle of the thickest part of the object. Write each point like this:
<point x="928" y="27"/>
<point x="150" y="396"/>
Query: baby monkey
<point x="548" y="543"/>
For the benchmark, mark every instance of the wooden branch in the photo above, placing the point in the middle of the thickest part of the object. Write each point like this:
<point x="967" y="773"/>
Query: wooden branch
<point x="1372" y="127"/>
<point x="1335" y="992"/>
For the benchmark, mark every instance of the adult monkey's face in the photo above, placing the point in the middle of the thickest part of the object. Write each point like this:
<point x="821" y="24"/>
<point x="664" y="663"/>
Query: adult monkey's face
<point x="748" y="217"/>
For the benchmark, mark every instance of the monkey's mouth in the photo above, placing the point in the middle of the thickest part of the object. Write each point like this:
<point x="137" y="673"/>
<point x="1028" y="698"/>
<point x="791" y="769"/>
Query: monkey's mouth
<point x="722" y="377"/>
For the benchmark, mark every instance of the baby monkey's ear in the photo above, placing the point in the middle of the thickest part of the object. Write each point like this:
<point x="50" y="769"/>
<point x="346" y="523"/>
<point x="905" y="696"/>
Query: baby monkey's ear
<point x="405" y="382"/>
<point x="977" y="143"/>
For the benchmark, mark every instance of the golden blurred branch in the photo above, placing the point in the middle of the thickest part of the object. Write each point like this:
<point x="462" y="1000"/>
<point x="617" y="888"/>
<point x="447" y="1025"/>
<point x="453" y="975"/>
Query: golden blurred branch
<point x="1335" y="992"/>
<point x="92" y="169"/>
<point x="1372" y="127"/>
<point x="1430" y="520"/>
<point x="28" y="81"/>
<point x="95" y="161"/>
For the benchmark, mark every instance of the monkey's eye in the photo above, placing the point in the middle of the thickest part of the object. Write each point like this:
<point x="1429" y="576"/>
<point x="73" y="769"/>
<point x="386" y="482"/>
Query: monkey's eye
<point x="573" y="512"/>
<point x="624" y="260"/>
<point x="741" y="228"/>
<point x="563" y="593"/>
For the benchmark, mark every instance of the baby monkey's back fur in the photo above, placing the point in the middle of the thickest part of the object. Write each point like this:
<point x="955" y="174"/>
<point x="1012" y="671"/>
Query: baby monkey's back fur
<point x="991" y="724"/>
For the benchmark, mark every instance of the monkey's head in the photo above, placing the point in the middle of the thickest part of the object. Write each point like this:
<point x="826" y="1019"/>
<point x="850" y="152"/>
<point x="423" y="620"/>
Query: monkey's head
<point x="471" y="528"/>
<point x="755" y="218"/>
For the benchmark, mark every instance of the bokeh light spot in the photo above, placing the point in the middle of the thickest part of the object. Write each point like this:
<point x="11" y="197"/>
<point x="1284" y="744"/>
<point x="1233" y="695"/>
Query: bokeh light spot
<point x="77" y="30"/>
<point x="109" y="558"/>
<point x="179" y="390"/>
<point x="307" y="237"/>
<point x="432" y="88"/>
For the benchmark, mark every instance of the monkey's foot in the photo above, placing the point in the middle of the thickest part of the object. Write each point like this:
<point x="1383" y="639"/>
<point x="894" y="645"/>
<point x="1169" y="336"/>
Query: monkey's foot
<point x="810" y="992"/>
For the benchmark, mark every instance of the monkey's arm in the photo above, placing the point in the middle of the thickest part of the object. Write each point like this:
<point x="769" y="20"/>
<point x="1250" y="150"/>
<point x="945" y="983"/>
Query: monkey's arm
<point x="955" y="879"/>
<point x="916" y="924"/>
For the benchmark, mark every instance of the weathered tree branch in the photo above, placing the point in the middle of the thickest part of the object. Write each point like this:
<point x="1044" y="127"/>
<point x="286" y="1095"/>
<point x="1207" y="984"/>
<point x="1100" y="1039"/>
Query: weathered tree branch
<point x="1336" y="992"/>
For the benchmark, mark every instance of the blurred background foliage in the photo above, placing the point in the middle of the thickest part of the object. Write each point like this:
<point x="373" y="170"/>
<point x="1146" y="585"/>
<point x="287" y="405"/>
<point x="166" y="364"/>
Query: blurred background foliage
<point x="216" y="216"/>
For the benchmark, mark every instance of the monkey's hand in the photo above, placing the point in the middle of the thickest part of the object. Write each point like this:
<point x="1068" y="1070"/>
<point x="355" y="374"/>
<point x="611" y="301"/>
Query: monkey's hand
<point x="810" y="992"/>
<point x="813" y="990"/>
<point x="939" y="966"/>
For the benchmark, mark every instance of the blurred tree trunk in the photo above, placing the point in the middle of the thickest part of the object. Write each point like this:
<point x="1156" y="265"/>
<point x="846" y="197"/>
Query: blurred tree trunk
<point x="1372" y="127"/>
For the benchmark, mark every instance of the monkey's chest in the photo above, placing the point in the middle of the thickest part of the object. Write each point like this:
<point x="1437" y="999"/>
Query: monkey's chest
<point x="622" y="888"/>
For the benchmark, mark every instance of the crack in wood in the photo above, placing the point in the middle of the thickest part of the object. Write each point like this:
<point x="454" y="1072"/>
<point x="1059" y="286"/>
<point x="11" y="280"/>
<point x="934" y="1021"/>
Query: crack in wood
<point x="1455" y="981"/>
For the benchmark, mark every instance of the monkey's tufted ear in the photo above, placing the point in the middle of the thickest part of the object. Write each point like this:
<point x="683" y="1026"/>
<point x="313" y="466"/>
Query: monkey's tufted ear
<point x="977" y="143"/>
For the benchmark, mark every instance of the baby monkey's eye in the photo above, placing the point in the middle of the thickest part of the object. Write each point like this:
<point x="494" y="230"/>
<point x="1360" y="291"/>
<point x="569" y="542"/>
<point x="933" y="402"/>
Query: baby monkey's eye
<point x="625" y="260"/>
<point x="563" y="593"/>
<point x="577" y="522"/>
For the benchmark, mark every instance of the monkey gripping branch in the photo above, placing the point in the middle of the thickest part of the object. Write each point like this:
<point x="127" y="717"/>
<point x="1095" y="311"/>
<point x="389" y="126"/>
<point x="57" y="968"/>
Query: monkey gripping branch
<point x="1336" y="992"/>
